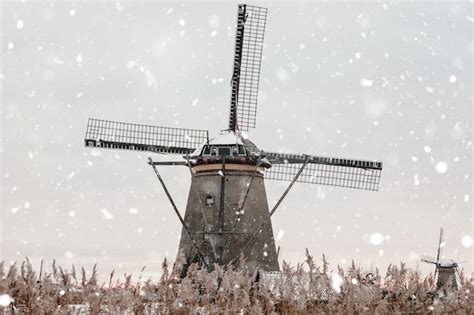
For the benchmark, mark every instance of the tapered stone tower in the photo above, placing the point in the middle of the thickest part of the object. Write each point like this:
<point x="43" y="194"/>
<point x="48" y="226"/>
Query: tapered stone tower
<point x="227" y="203"/>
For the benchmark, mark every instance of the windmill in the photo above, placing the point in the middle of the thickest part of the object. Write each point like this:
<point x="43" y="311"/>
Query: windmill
<point x="227" y="213"/>
<point x="446" y="269"/>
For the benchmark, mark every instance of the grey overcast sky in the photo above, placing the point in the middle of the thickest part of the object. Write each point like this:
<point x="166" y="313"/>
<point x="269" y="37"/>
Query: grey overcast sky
<point x="381" y="81"/>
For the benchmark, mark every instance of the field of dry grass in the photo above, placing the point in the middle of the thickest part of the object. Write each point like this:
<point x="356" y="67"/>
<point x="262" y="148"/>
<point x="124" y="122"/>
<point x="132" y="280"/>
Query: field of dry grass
<point x="302" y="289"/>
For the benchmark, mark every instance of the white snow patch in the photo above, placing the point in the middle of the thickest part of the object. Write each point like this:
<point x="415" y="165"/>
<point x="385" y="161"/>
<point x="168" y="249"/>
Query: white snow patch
<point x="79" y="95"/>
<point x="357" y="55"/>
<point x="195" y="102"/>
<point x="5" y="300"/>
<point x="72" y="12"/>
<point x="429" y="89"/>
<point x="14" y="210"/>
<point x="19" y="24"/>
<point x="72" y="214"/>
<point x="79" y="58"/>
<point x="182" y="22"/>
<point x="68" y="254"/>
<point x="427" y="149"/>
<point x="376" y="239"/>
<point x="90" y="163"/>
<point x="10" y="45"/>
<point x="133" y="211"/>
<point x="467" y="241"/>
<point x="441" y="167"/>
<point x="366" y="82"/>
<point x="354" y="281"/>
<point x="466" y="198"/>
<point x="452" y="79"/>
<point x="106" y="214"/>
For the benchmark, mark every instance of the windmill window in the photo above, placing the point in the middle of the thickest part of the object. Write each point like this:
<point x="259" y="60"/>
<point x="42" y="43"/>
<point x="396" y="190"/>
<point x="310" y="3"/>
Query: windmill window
<point x="235" y="150"/>
<point x="207" y="151"/>
<point x="209" y="200"/>
<point x="213" y="151"/>
<point x="224" y="151"/>
<point x="241" y="150"/>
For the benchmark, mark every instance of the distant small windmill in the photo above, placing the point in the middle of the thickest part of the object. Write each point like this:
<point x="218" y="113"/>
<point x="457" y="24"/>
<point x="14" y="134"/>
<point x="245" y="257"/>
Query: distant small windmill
<point x="446" y="269"/>
<point x="227" y="213"/>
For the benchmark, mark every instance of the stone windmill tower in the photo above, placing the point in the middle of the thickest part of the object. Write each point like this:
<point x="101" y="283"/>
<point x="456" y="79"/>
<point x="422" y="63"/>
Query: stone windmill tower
<point x="227" y="213"/>
<point x="446" y="271"/>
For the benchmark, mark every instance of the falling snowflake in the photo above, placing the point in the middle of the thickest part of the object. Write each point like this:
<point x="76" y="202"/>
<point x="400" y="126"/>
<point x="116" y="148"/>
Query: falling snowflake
<point x="280" y="235"/>
<point x="466" y="241"/>
<point x="336" y="282"/>
<point x="366" y="82"/>
<point x="441" y="167"/>
<point x="5" y="300"/>
<point x="106" y="214"/>
<point x="376" y="239"/>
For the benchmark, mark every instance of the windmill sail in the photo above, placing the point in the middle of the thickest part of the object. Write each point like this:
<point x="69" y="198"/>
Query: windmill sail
<point x="348" y="173"/>
<point x="249" y="36"/>
<point x="440" y="245"/>
<point x="120" y="135"/>
<point x="428" y="259"/>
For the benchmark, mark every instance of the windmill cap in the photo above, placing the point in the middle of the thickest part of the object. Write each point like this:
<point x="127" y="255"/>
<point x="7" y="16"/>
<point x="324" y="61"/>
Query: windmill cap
<point x="225" y="137"/>
<point x="447" y="263"/>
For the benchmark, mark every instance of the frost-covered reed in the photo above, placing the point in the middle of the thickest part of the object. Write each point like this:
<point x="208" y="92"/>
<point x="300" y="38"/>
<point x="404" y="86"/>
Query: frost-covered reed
<point x="306" y="288"/>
